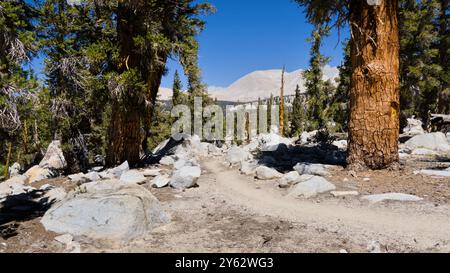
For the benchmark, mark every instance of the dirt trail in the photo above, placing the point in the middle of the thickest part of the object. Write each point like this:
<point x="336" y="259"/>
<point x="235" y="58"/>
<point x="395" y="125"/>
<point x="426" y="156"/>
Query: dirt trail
<point x="423" y="227"/>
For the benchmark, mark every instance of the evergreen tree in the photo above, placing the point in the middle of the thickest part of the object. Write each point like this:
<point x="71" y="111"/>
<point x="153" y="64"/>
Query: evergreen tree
<point x="339" y="106"/>
<point x="314" y="82"/>
<point x="298" y="113"/>
<point x="373" y="131"/>
<point x="177" y="90"/>
<point x="18" y="44"/>
<point x="269" y="113"/>
<point x="419" y="66"/>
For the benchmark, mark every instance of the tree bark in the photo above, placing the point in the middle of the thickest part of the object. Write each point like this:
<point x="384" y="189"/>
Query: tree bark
<point x="125" y="126"/>
<point x="374" y="94"/>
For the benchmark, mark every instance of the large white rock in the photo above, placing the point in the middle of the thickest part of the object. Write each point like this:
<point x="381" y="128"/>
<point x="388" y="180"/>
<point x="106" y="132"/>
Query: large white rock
<point x="266" y="173"/>
<point x="445" y="173"/>
<point x="433" y="141"/>
<point x="313" y="169"/>
<point x="133" y="177"/>
<point x="78" y="178"/>
<point x="37" y="173"/>
<point x="54" y="157"/>
<point x="311" y="187"/>
<point x="376" y="198"/>
<point x="186" y="177"/>
<point x="111" y="213"/>
<point x="236" y="155"/>
<point x="414" y="127"/>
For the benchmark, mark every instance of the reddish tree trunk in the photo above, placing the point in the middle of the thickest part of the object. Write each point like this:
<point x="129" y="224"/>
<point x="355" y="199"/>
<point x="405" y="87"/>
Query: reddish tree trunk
<point x="374" y="95"/>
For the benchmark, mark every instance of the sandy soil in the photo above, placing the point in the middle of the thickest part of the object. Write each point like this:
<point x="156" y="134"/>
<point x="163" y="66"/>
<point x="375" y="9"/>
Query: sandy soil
<point x="230" y="212"/>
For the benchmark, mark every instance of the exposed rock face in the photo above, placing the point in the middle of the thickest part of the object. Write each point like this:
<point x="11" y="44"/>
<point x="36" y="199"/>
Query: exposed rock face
<point x="376" y="198"/>
<point x="109" y="211"/>
<point x="186" y="177"/>
<point x="119" y="170"/>
<point x="266" y="173"/>
<point x="290" y="179"/>
<point x="433" y="141"/>
<point x="311" y="187"/>
<point x="54" y="157"/>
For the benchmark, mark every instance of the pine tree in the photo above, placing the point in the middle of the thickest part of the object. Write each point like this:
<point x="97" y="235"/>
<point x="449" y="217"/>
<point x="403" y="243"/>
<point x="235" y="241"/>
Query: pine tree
<point x="18" y="86"/>
<point x="298" y="113"/>
<point x="177" y="87"/>
<point x="339" y="106"/>
<point x="148" y="32"/>
<point x="269" y="113"/>
<point x="314" y="82"/>
<point x="419" y="66"/>
<point x="374" y="93"/>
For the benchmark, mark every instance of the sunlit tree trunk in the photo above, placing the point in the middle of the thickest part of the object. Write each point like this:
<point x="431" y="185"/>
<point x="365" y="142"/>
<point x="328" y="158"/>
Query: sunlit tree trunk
<point x="374" y="95"/>
<point x="282" y="103"/>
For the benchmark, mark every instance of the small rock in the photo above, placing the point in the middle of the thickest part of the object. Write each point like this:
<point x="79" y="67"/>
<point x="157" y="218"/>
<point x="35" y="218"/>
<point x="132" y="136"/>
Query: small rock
<point x="160" y="181"/>
<point x="445" y="173"/>
<point x="14" y="169"/>
<point x="186" y="177"/>
<point x="37" y="173"/>
<point x="343" y="251"/>
<point x="311" y="187"/>
<point x="151" y="173"/>
<point x="313" y="169"/>
<point x="167" y="161"/>
<point x="133" y="177"/>
<point x="78" y="178"/>
<point x="374" y="247"/>
<point x="237" y="155"/>
<point x="366" y="179"/>
<point x="290" y="179"/>
<point x="266" y="173"/>
<point x="248" y="168"/>
<point x="376" y="198"/>
<point x="344" y="193"/>
<point x="119" y="170"/>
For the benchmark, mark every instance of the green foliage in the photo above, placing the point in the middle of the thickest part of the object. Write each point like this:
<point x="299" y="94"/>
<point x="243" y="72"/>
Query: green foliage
<point x="420" y="70"/>
<point x="298" y="114"/>
<point x="318" y="90"/>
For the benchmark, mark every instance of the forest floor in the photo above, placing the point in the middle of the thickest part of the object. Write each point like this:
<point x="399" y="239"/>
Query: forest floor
<point x="230" y="212"/>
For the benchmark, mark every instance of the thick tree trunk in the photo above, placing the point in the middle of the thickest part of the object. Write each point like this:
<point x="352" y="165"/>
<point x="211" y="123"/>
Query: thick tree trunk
<point x="374" y="95"/>
<point x="153" y="84"/>
<point x="125" y="126"/>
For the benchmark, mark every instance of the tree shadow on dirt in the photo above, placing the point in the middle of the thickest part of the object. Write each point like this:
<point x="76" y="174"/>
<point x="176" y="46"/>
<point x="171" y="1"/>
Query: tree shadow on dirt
<point x="286" y="157"/>
<point x="20" y="208"/>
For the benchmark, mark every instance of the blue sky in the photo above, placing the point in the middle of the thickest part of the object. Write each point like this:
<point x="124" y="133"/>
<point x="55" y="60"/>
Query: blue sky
<point x="248" y="35"/>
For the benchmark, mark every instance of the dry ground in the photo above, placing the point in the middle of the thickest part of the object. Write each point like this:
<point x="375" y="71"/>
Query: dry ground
<point x="229" y="212"/>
